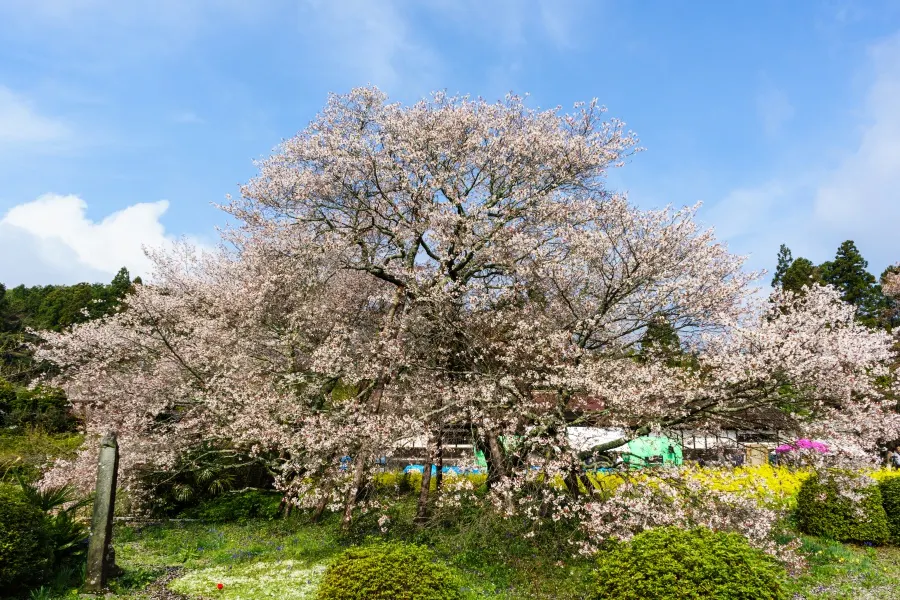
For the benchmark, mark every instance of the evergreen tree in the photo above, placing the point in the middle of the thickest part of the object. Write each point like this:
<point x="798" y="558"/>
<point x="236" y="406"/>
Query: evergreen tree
<point x="848" y="273"/>
<point x="801" y="273"/>
<point x="4" y="310"/>
<point x="784" y="262"/>
<point x="660" y="335"/>
<point x="661" y="340"/>
<point x="120" y="285"/>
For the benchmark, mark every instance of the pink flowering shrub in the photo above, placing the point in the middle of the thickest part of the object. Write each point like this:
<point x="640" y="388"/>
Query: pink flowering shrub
<point x="802" y="444"/>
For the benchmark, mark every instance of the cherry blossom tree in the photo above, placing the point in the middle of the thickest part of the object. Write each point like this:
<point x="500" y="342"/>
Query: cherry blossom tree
<point x="892" y="282"/>
<point x="400" y="270"/>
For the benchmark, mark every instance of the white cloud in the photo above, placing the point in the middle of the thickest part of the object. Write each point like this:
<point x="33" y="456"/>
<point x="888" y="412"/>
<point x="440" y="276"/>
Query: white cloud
<point x="21" y="124"/>
<point x="774" y="108"/>
<point x="52" y="240"/>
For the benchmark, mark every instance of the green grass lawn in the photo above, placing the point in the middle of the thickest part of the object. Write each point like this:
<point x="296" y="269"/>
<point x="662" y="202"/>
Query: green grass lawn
<point x="843" y="572"/>
<point x="284" y="559"/>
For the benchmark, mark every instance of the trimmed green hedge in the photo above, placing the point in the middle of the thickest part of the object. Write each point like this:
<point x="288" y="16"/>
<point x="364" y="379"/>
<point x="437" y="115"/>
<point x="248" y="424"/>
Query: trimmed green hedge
<point x="391" y="571"/>
<point x="669" y="563"/>
<point x="823" y="512"/>
<point x="25" y="551"/>
<point x="890" y="500"/>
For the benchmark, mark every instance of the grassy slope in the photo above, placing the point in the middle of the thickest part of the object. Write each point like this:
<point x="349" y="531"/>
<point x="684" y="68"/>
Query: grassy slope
<point x="25" y="453"/>
<point x="843" y="572"/>
<point x="284" y="559"/>
<point x="289" y="556"/>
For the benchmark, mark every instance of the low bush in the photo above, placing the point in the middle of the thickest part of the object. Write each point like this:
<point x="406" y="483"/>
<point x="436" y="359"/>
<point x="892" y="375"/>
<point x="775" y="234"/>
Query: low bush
<point x="392" y="571"/>
<point x="824" y="512"/>
<point x="238" y="507"/>
<point x="25" y="551"/>
<point x="668" y="563"/>
<point x="890" y="500"/>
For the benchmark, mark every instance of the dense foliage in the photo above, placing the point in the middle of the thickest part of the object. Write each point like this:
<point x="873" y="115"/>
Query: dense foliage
<point x="26" y="310"/>
<point x="669" y="563"/>
<point x="199" y="476"/>
<point x="50" y="308"/>
<point x="46" y="408"/>
<point x="842" y="506"/>
<point x="25" y="551"/>
<point x="25" y="454"/>
<point x="890" y="499"/>
<point x="394" y="571"/>
<point x="238" y="507"/>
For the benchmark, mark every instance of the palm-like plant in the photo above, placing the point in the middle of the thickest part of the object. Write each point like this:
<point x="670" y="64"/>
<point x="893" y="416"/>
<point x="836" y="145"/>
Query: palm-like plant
<point x="66" y="533"/>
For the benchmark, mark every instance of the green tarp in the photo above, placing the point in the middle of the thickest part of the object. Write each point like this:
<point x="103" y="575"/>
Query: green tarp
<point x="650" y="449"/>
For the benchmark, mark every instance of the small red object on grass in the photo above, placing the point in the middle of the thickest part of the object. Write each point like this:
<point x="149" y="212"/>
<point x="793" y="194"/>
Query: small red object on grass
<point x="219" y="586"/>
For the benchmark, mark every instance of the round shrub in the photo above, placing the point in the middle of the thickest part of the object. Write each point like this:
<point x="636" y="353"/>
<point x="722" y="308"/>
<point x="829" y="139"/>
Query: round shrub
<point x="824" y="512"/>
<point x="394" y="571"/>
<point x="890" y="500"/>
<point x="24" y="549"/>
<point x="669" y="563"/>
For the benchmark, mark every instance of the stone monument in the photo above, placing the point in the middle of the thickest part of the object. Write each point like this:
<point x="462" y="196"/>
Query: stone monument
<point x="100" y="559"/>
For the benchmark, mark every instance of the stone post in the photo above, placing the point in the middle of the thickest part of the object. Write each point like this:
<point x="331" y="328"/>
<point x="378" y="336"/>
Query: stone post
<point x="100" y="561"/>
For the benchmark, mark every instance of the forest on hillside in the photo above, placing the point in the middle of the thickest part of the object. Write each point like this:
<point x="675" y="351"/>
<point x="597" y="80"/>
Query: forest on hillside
<point x="25" y="310"/>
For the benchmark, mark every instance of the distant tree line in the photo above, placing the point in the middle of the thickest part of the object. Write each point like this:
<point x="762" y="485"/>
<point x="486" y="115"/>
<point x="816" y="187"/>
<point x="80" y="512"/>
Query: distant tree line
<point x="848" y="272"/>
<point x="37" y="308"/>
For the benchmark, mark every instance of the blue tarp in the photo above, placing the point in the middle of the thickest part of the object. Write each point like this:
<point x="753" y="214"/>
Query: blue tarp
<point x="445" y="470"/>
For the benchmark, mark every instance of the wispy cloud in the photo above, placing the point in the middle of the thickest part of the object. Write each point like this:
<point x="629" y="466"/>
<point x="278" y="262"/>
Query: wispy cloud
<point x="380" y="43"/>
<point x="558" y="19"/>
<point x="103" y="35"/>
<point x="863" y="193"/>
<point x="816" y="207"/>
<point x="188" y="117"/>
<point x="512" y="23"/>
<point x="375" y="42"/>
<point x="773" y="107"/>
<point x="21" y="124"/>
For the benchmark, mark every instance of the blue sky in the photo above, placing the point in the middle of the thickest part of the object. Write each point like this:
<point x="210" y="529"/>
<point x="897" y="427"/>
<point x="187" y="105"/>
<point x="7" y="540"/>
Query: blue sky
<point x="121" y="122"/>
